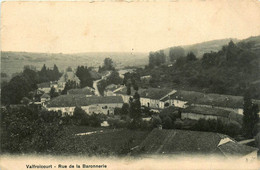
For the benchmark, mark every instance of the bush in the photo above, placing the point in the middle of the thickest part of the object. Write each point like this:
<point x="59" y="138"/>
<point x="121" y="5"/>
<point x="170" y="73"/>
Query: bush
<point x="25" y="130"/>
<point x="117" y="123"/>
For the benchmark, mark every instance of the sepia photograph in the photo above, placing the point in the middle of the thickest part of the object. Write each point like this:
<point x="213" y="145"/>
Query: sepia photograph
<point x="130" y="84"/>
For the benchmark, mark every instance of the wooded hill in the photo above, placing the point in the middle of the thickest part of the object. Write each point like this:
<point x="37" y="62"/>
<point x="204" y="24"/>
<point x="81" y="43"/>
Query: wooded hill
<point x="231" y="70"/>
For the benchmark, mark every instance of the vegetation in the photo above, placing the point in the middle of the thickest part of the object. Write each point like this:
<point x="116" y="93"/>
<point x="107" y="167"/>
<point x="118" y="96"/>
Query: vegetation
<point x="27" y="130"/>
<point x="83" y="73"/>
<point x="113" y="78"/>
<point x="231" y="70"/>
<point x="251" y="117"/>
<point x="156" y="59"/>
<point x="20" y="85"/>
<point x="70" y="84"/>
<point x="47" y="74"/>
<point x="107" y="66"/>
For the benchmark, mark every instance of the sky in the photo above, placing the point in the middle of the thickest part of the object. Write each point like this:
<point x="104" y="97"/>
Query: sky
<point x="74" y="27"/>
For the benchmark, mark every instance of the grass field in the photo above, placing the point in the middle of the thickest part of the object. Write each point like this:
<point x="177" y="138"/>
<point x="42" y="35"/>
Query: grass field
<point x="105" y="142"/>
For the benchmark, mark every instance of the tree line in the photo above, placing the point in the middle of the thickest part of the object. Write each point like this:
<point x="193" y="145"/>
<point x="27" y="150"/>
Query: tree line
<point x="232" y="70"/>
<point x="20" y="85"/>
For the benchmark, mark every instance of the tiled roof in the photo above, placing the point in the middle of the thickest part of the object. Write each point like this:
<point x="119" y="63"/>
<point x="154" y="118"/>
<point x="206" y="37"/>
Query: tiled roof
<point x="207" y="111"/>
<point x="82" y="100"/>
<point x="209" y="99"/>
<point x="154" y="93"/>
<point x="84" y="91"/>
<point x="191" y="142"/>
<point x="123" y="90"/>
<point x="45" y="95"/>
<point x="43" y="85"/>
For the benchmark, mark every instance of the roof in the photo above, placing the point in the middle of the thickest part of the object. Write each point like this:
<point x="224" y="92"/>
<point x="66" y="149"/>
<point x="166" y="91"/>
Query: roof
<point x="84" y="91"/>
<point x="207" y="111"/>
<point x="111" y="87"/>
<point x="188" y="142"/>
<point x="43" y="85"/>
<point x="82" y="100"/>
<point x="209" y="99"/>
<point x="154" y="93"/>
<point x="45" y="95"/>
<point x="69" y="75"/>
<point x="123" y="90"/>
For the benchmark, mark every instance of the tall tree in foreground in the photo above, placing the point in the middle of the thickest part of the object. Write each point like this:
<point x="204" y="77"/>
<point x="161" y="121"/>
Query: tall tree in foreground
<point x="250" y="118"/>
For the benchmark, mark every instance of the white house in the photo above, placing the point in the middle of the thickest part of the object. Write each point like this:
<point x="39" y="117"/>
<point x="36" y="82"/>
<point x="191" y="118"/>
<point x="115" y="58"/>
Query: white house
<point x="93" y="104"/>
<point x="109" y="90"/>
<point x="196" y="113"/>
<point x="150" y="97"/>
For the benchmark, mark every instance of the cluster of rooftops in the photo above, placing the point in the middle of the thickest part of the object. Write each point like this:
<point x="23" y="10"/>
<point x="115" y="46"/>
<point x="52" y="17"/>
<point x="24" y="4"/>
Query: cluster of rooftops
<point x="78" y="96"/>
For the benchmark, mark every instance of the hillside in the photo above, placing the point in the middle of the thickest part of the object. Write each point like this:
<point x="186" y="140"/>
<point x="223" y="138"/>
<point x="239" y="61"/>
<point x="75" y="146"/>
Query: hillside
<point x="13" y="62"/>
<point x="205" y="47"/>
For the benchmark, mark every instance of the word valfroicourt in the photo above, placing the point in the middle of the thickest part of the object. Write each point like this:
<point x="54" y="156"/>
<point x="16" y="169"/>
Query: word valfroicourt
<point x="39" y="166"/>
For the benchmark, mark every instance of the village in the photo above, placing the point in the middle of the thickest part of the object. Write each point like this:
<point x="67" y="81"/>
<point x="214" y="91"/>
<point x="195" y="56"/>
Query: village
<point x="188" y="107"/>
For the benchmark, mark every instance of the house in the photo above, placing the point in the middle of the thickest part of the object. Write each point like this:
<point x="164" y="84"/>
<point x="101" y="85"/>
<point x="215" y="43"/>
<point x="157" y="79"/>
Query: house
<point x="153" y="97"/>
<point x="122" y="91"/>
<point x="150" y="97"/>
<point x="109" y="90"/>
<point x="197" y="112"/>
<point x="69" y="75"/>
<point x="180" y="142"/>
<point x="88" y="91"/>
<point x="45" y="87"/>
<point x="92" y="104"/>
<point x="145" y="79"/>
<point x="45" y="98"/>
<point x="183" y="99"/>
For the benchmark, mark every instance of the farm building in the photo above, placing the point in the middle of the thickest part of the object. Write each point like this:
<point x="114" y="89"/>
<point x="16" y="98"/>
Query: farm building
<point x="175" y="142"/>
<point x="45" y="87"/>
<point x="45" y="98"/>
<point x="88" y="91"/>
<point x="183" y="99"/>
<point x="109" y="90"/>
<point x="93" y="104"/>
<point x="151" y="97"/>
<point x="196" y="113"/>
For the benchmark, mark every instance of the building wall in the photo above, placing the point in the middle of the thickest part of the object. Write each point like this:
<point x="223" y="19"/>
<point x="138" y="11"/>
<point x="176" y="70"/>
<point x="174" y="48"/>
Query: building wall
<point x="109" y="93"/>
<point x="96" y="108"/>
<point x="177" y="103"/>
<point x="195" y="116"/>
<point x="152" y="103"/>
<point x="237" y="110"/>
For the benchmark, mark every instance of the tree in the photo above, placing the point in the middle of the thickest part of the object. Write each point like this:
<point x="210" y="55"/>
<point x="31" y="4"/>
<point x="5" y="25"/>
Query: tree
<point x="69" y="85"/>
<point x="80" y="117"/>
<point x="250" y="118"/>
<point x="135" y="107"/>
<point x="53" y="92"/>
<point x="191" y="57"/>
<point x="128" y="92"/>
<point x="176" y="52"/>
<point x="85" y="77"/>
<point x="107" y="66"/>
<point x="125" y="109"/>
